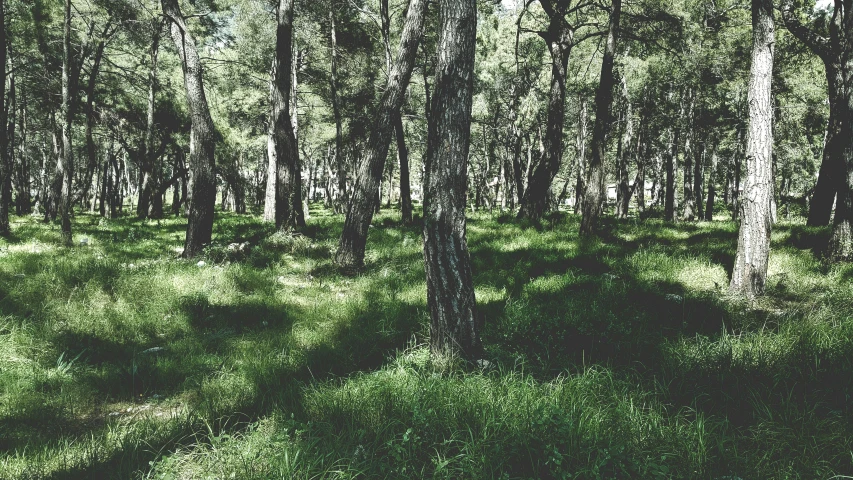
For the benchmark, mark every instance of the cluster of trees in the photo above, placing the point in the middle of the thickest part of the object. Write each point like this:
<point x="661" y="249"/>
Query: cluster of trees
<point x="687" y="108"/>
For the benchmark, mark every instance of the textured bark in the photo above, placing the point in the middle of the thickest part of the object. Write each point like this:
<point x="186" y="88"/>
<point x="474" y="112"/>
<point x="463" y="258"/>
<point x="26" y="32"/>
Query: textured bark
<point x="342" y="199"/>
<point x="65" y="166"/>
<point x="624" y="156"/>
<point x="363" y="203"/>
<point x="688" y="202"/>
<point x="5" y="161"/>
<point x="712" y="186"/>
<point x="454" y="326"/>
<point x="580" y="170"/>
<point x="669" y="188"/>
<point x="595" y="192"/>
<point x="405" y="182"/>
<point x="24" y="201"/>
<point x="147" y="156"/>
<point x="202" y="135"/>
<point x="697" y="181"/>
<point x="284" y="198"/>
<point x="750" y="268"/>
<point x="560" y="40"/>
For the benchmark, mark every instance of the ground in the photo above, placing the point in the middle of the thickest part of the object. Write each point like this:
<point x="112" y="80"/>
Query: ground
<point x="618" y="358"/>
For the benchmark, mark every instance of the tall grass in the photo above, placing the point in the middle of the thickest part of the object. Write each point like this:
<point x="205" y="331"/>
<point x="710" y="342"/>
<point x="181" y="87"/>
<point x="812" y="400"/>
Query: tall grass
<point x="617" y="358"/>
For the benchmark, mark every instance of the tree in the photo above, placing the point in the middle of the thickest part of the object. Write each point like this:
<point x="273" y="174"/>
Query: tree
<point x="5" y="161"/>
<point x="66" y="165"/>
<point x="364" y="200"/>
<point x="454" y="326"/>
<point x="561" y="37"/>
<point x="202" y="135"/>
<point x="283" y="198"/>
<point x="595" y="192"/>
<point x="750" y="268"/>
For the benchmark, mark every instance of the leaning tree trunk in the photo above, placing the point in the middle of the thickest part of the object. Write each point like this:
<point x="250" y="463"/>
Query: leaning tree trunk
<point x="364" y="199"/>
<point x="750" y="268"/>
<point x="454" y="326"/>
<point x="202" y="135"/>
<point x="534" y="203"/>
<point x="603" y="99"/>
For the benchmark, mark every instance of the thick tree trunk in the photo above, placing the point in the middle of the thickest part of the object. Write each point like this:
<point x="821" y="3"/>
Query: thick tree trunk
<point x="750" y="268"/>
<point x="202" y="136"/>
<point x="595" y="191"/>
<point x="364" y="200"/>
<point x="454" y="326"/>
<point x="283" y="198"/>
<point x="534" y="203"/>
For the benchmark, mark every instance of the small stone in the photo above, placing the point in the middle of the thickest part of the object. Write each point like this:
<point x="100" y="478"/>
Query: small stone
<point x="200" y="263"/>
<point x="84" y="242"/>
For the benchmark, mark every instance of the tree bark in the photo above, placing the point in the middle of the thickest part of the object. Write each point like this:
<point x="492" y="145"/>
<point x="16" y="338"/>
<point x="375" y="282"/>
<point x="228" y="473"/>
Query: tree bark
<point x="712" y="186"/>
<point x="283" y="200"/>
<point x="5" y="161"/>
<point x="363" y="203"/>
<point x="65" y="167"/>
<point x="147" y="157"/>
<point x="624" y="193"/>
<point x="595" y="192"/>
<point x="342" y="199"/>
<point x="202" y="135"/>
<point x="688" y="206"/>
<point x="454" y="326"/>
<point x="560" y="40"/>
<point x="405" y="182"/>
<point x="750" y="268"/>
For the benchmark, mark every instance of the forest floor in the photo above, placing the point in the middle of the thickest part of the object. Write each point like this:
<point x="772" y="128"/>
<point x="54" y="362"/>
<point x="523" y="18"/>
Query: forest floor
<point x="618" y="358"/>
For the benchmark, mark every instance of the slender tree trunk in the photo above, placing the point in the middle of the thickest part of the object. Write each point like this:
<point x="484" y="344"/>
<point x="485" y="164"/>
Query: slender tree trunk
<point x="712" y="186"/>
<point x="697" y="180"/>
<point x="750" y="268"/>
<point x="343" y="198"/>
<point x="202" y="136"/>
<point x="66" y="165"/>
<point x="363" y="203"/>
<point x="5" y="161"/>
<point x="454" y="326"/>
<point x="735" y="197"/>
<point x="688" y="206"/>
<point x="146" y="154"/>
<point x="24" y="202"/>
<point x="595" y="191"/>
<point x="405" y="185"/>
<point x="559" y="37"/>
<point x="624" y="200"/>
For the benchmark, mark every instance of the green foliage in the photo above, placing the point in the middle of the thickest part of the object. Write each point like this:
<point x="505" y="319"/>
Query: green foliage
<point x="619" y="358"/>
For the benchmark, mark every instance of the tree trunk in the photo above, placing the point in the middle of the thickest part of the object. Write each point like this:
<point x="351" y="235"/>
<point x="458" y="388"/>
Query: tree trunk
<point x="342" y="199"/>
<point x="624" y="200"/>
<point x="202" y="136"/>
<point x="559" y="37"/>
<point x="405" y="185"/>
<point x="669" y="188"/>
<point x="283" y="200"/>
<point x="454" y="326"/>
<point x="688" y="206"/>
<point x="750" y="268"/>
<point x="697" y="180"/>
<point x="24" y="202"/>
<point x="5" y="161"/>
<point x="146" y="154"/>
<point x="595" y="192"/>
<point x="65" y="167"/>
<point x="712" y="186"/>
<point x="351" y="247"/>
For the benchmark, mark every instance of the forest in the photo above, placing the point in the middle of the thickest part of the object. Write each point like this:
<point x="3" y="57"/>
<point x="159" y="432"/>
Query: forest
<point x="458" y="239"/>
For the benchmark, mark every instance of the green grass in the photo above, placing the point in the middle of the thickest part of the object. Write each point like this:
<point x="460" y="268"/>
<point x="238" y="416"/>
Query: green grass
<point x="617" y="358"/>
